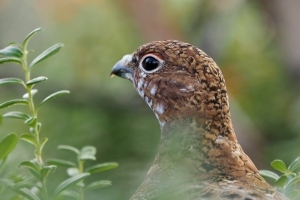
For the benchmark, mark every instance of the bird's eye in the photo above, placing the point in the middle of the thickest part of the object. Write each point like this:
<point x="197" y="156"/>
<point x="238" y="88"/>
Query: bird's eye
<point x="151" y="63"/>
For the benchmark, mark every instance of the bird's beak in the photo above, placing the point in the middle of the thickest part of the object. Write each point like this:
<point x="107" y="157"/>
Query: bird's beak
<point x="120" y="69"/>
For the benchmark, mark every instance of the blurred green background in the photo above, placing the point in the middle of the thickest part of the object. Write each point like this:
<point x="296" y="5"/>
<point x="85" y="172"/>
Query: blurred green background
<point x="256" y="44"/>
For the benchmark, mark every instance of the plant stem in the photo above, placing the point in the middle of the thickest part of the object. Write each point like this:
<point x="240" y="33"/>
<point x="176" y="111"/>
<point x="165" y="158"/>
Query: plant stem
<point x="80" y="189"/>
<point x="34" y="125"/>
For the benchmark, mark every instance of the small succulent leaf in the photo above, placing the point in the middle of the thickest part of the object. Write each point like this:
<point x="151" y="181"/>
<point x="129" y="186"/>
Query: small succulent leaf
<point x="294" y="165"/>
<point x="281" y="181"/>
<point x="91" y="150"/>
<point x="16" y="178"/>
<point x="39" y="126"/>
<point x="69" y="148"/>
<point x="6" y="182"/>
<point x="16" y="115"/>
<point x="13" y="102"/>
<point x="5" y="81"/>
<point x="22" y="184"/>
<point x="293" y="195"/>
<point x="7" y="145"/>
<point x="33" y="92"/>
<point x="43" y="142"/>
<point x="26" y="40"/>
<point x="53" y="96"/>
<point x="47" y="53"/>
<point x="59" y="162"/>
<point x="80" y="184"/>
<point x="11" y="50"/>
<point x="279" y="165"/>
<point x="46" y="170"/>
<point x="27" y="193"/>
<point x="28" y="138"/>
<point x="293" y="180"/>
<point x="269" y="174"/>
<point x="30" y="120"/>
<point x="98" y="184"/>
<point x="15" y="44"/>
<point x="2" y="163"/>
<point x="88" y="153"/>
<point x="87" y="157"/>
<point x="68" y="183"/>
<point x="101" y="167"/>
<point x="36" y="80"/>
<point x="70" y="193"/>
<point x="35" y="174"/>
<point x="72" y="171"/>
<point x="30" y="165"/>
<point x="9" y="60"/>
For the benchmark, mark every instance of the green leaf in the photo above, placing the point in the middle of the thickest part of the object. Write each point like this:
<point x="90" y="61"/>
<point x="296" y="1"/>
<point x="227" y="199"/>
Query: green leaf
<point x="33" y="92"/>
<point x="90" y="150"/>
<point x="53" y="96"/>
<point x="10" y="59"/>
<point x="30" y="165"/>
<point x="70" y="193"/>
<point x="88" y="153"/>
<point x="279" y="165"/>
<point x="98" y="184"/>
<point x="46" y="170"/>
<point x="47" y="53"/>
<point x="5" y="81"/>
<point x="16" y="115"/>
<point x="27" y="193"/>
<point x="294" y="165"/>
<point x="22" y="184"/>
<point x="13" y="102"/>
<point x="43" y="142"/>
<point x="24" y="45"/>
<point x="72" y="171"/>
<point x="268" y="174"/>
<point x="37" y="80"/>
<point x="2" y="163"/>
<point x="28" y="138"/>
<point x="68" y="183"/>
<point x="281" y="181"/>
<point x="59" y="162"/>
<point x="7" y="145"/>
<point x="87" y="157"/>
<point x="15" y="44"/>
<point x="39" y="126"/>
<point x="11" y="50"/>
<point x="101" y="167"/>
<point x="294" y="194"/>
<point x="30" y="120"/>
<point x="293" y="181"/>
<point x="69" y="148"/>
<point x="1" y="118"/>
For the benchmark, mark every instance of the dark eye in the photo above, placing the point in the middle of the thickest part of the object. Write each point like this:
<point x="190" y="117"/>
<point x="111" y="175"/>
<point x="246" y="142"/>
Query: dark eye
<point x="150" y="63"/>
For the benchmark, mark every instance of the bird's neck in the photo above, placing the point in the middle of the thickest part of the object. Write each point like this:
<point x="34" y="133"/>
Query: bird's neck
<point x="201" y="149"/>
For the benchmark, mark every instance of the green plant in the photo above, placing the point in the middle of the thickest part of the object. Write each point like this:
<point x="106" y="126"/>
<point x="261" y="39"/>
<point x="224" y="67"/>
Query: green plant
<point x="34" y="187"/>
<point x="287" y="181"/>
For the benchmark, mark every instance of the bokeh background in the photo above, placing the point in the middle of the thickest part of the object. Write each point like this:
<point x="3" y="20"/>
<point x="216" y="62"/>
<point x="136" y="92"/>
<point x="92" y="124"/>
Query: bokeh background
<point x="256" y="43"/>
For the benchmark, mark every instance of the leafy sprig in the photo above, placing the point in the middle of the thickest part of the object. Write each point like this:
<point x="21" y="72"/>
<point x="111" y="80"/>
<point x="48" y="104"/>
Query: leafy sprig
<point x="34" y="187"/>
<point x="287" y="181"/>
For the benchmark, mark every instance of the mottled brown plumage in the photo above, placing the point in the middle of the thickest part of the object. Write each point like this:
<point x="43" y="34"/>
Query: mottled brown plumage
<point x="199" y="156"/>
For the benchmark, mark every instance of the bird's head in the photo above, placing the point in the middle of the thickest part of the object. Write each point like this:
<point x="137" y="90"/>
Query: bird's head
<point x="177" y="80"/>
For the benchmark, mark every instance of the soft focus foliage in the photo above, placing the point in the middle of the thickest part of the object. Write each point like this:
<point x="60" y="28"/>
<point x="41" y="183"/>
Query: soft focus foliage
<point x="245" y="38"/>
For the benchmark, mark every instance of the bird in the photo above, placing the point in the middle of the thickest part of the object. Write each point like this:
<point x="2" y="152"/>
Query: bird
<point x="199" y="156"/>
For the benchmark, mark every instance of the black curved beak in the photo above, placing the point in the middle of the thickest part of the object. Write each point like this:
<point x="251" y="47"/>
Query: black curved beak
<point x="120" y="69"/>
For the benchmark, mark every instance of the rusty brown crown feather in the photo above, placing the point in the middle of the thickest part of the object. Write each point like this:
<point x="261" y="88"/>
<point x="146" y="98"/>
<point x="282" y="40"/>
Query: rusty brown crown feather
<point x="199" y="156"/>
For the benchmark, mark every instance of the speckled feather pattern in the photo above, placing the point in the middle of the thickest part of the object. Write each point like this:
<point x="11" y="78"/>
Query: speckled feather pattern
<point x="199" y="156"/>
